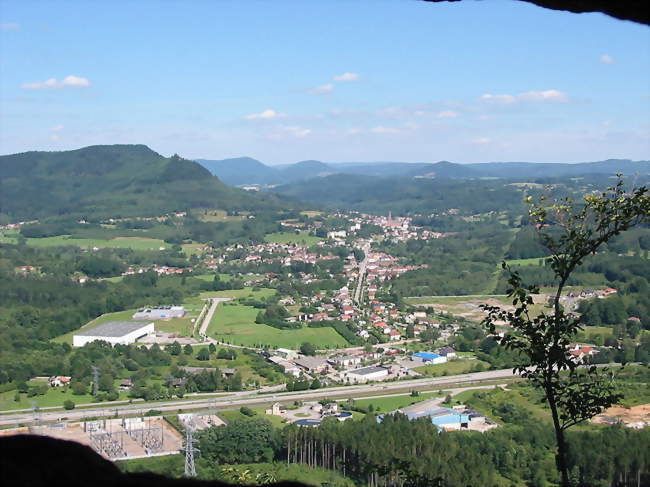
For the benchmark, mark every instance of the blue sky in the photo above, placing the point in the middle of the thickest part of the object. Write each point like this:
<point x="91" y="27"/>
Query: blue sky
<point x="283" y="81"/>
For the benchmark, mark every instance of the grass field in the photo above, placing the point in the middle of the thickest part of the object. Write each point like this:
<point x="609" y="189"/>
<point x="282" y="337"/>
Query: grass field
<point x="452" y="368"/>
<point x="235" y="323"/>
<point x="588" y="332"/>
<point x="452" y="300"/>
<point x="55" y="396"/>
<point x="535" y="261"/>
<point x="303" y="238"/>
<point x="234" y="415"/>
<point x="386" y="404"/>
<point x="136" y="243"/>
<point x="173" y="466"/>
<point x="210" y="277"/>
<point x="212" y="215"/>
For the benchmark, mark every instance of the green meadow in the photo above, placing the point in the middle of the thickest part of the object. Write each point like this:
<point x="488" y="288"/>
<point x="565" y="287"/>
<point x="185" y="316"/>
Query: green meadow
<point x="235" y="323"/>
<point x="302" y="238"/>
<point x="135" y="243"/>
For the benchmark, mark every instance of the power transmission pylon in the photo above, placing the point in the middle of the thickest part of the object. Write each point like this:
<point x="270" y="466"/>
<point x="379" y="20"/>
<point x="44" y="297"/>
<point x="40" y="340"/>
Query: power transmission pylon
<point x="190" y="449"/>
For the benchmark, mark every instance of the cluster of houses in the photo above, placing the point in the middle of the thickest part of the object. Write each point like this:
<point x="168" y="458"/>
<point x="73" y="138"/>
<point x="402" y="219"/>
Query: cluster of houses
<point x="161" y="270"/>
<point x="16" y="225"/>
<point x="358" y="367"/>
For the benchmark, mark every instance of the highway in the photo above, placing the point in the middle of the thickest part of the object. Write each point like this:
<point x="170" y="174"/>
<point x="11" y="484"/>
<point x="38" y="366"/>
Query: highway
<point x="253" y="398"/>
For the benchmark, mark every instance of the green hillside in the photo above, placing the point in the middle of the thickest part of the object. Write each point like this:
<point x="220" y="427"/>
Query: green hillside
<point x="112" y="181"/>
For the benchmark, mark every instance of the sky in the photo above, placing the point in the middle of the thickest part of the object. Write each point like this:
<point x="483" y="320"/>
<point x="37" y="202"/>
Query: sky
<point x="331" y="80"/>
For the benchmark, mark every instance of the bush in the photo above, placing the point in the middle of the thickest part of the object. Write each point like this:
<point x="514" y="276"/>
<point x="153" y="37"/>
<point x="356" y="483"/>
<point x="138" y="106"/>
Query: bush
<point x="68" y="405"/>
<point x="247" y="411"/>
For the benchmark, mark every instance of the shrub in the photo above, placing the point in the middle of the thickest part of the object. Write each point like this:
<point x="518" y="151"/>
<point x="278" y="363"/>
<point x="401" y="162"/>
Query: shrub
<point x="246" y="411"/>
<point x="67" y="405"/>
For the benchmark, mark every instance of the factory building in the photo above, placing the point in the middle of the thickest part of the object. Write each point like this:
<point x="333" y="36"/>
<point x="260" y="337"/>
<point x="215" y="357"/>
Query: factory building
<point x="114" y="332"/>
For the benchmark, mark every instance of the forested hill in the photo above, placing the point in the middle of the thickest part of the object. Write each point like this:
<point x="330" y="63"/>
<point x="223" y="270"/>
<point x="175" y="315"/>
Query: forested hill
<point x="245" y="170"/>
<point x="113" y="180"/>
<point x="407" y="195"/>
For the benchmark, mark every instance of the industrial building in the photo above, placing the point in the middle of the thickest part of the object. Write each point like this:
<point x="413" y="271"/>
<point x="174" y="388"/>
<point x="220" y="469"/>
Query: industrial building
<point x="114" y="332"/>
<point x="364" y="374"/>
<point x="160" y="313"/>
<point x="446" y="419"/>
<point x="429" y="358"/>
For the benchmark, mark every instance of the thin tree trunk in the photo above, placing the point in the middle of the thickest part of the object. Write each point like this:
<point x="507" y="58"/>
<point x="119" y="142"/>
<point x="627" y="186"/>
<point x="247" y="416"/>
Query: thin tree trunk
<point x="560" y="457"/>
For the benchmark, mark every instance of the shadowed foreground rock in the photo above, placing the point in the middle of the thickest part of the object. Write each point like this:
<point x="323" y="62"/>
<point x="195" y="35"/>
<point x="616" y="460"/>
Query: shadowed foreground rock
<point x="29" y="460"/>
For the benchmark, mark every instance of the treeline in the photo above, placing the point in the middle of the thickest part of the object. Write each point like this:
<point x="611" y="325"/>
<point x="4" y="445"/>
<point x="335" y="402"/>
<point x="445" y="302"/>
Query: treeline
<point x="398" y="452"/>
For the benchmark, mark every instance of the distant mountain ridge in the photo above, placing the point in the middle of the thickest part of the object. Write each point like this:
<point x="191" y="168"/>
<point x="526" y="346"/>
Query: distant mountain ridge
<point x="245" y="170"/>
<point x="113" y="180"/>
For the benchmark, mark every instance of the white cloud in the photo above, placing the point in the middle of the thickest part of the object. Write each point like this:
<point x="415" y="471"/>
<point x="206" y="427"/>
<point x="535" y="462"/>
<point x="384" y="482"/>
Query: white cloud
<point x="347" y="77"/>
<point x="543" y="95"/>
<point x="482" y="140"/>
<point x="53" y="83"/>
<point x="505" y="99"/>
<point x="264" y="115"/>
<point x="446" y="114"/>
<point x="55" y="137"/>
<point x="323" y="90"/>
<point x="607" y="59"/>
<point x="385" y="130"/>
<point x="295" y="130"/>
<point x="9" y="27"/>
<point x="547" y="95"/>
<point x="75" y="81"/>
<point x="57" y="128"/>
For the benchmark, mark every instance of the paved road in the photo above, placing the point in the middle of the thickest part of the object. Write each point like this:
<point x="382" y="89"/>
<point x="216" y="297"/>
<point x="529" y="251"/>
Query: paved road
<point x="214" y="302"/>
<point x="248" y="398"/>
<point x="362" y="272"/>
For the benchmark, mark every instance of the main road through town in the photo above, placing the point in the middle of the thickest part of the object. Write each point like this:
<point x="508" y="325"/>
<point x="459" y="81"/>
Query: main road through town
<point x="254" y="398"/>
<point x="358" y="291"/>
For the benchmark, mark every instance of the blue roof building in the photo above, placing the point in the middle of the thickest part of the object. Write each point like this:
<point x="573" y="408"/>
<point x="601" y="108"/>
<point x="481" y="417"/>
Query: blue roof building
<point x="426" y="355"/>
<point x="429" y="357"/>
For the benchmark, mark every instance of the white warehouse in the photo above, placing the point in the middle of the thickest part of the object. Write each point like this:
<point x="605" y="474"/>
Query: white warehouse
<point x="364" y="374"/>
<point x="114" y="332"/>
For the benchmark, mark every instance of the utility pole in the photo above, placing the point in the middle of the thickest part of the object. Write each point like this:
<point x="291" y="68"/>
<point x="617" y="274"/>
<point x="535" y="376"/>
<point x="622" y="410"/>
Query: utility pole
<point x="190" y="449"/>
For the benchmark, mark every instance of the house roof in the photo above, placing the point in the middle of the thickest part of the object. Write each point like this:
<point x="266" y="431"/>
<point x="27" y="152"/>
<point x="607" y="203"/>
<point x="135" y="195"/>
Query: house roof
<point x="310" y="362"/>
<point x="368" y="370"/>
